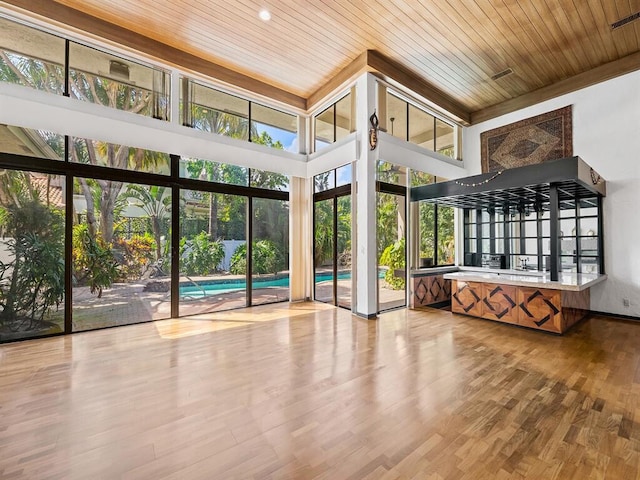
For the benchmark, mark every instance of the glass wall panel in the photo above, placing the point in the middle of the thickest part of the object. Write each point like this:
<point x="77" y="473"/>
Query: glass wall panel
<point x="396" y="117"/>
<point x="214" y="111"/>
<point x="270" y="257"/>
<point x="121" y="253"/>
<point x="333" y="123"/>
<point x="95" y="152"/>
<point x="213" y="252"/>
<point x="105" y="79"/>
<point x="391" y="173"/>
<point x="274" y="128"/>
<point x="31" y="58"/>
<point x="421" y="178"/>
<point x="446" y="240"/>
<point x="268" y="180"/>
<point x="31" y="143"/>
<point x="416" y="125"/>
<point x="343" y="117"/>
<point x="344" y="251"/>
<point x="343" y="175"/>
<point x="324" y="128"/>
<point x="421" y="128"/>
<point x="323" y="250"/>
<point x="213" y="171"/>
<point x="32" y="281"/>
<point x="324" y="181"/>
<point x="445" y="134"/>
<point x="426" y="212"/>
<point x="391" y="251"/>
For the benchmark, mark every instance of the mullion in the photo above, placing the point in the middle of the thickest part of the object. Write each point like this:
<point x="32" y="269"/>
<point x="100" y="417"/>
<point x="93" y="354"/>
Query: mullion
<point x="335" y="250"/>
<point x="539" y="241"/>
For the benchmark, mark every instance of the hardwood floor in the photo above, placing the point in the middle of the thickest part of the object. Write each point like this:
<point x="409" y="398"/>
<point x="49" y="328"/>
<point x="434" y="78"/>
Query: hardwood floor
<point x="304" y="391"/>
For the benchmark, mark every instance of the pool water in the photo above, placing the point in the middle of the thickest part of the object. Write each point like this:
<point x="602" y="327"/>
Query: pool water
<point x="207" y="288"/>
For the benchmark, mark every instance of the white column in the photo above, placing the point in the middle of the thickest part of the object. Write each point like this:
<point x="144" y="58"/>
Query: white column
<point x="365" y="302"/>
<point x="300" y="235"/>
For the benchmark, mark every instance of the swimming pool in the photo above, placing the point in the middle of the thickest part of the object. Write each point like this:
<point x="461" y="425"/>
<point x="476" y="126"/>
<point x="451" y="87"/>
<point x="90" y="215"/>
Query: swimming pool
<point x="206" y="288"/>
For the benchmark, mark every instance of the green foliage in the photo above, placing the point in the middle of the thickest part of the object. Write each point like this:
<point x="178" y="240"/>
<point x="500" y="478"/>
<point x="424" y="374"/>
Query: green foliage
<point x="155" y="202"/>
<point x="136" y="254"/>
<point x="199" y="255"/>
<point x="387" y="224"/>
<point x="446" y="244"/>
<point x="394" y="257"/>
<point x="93" y="261"/>
<point x="266" y="258"/>
<point x="32" y="282"/>
<point x="323" y="235"/>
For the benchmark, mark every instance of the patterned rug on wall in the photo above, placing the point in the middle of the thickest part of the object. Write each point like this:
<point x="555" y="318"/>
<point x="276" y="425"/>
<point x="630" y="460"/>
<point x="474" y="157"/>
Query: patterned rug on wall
<point x="529" y="141"/>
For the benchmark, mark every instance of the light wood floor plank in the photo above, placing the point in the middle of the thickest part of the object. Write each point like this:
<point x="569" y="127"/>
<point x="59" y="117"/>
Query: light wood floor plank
<point x="307" y="391"/>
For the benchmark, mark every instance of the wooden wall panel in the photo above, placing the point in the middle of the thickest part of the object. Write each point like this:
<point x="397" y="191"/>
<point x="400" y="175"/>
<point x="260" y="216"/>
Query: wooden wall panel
<point x="540" y="308"/>
<point x="500" y="302"/>
<point x="430" y="289"/>
<point x="466" y="297"/>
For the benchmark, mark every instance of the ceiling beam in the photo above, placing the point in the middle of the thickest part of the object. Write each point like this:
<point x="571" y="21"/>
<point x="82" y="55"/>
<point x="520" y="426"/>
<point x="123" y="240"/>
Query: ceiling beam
<point x="610" y="70"/>
<point x="94" y="26"/>
<point x="343" y="78"/>
<point x="394" y="72"/>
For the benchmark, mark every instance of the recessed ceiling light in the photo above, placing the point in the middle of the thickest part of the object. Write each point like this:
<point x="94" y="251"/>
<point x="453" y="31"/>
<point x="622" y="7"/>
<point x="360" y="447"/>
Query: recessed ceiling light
<point x="265" y="15"/>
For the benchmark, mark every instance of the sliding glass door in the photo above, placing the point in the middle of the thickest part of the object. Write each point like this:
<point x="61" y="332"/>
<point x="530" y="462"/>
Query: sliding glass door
<point x="332" y="245"/>
<point x="213" y="256"/>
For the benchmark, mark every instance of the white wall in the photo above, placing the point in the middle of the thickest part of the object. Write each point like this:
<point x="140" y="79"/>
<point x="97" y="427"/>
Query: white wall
<point x="606" y="135"/>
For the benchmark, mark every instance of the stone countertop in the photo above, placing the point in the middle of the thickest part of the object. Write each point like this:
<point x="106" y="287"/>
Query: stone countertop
<point x="567" y="281"/>
<point x="425" y="272"/>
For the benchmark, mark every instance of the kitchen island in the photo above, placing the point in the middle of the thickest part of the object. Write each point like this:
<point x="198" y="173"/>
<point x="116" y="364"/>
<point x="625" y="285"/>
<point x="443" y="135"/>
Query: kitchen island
<point x="525" y="299"/>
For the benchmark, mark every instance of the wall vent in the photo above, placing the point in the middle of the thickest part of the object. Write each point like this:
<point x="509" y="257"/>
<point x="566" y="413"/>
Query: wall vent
<point x="625" y="20"/>
<point x="501" y="74"/>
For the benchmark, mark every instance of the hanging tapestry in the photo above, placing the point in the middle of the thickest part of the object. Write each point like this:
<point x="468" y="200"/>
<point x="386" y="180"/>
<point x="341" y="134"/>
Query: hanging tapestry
<point x="529" y="141"/>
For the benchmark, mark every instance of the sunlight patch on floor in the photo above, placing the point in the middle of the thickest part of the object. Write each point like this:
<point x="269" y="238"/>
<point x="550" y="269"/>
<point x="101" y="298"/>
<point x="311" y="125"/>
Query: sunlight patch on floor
<point x="214" y="322"/>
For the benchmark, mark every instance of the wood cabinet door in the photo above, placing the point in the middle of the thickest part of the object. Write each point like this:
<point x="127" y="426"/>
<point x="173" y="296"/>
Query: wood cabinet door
<point x="499" y="302"/>
<point x="540" y="308"/>
<point x="466" y="298"/>
<point x="431" y="289"/>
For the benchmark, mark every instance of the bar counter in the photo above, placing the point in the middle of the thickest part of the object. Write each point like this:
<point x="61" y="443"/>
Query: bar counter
<point x="526" y="299"/>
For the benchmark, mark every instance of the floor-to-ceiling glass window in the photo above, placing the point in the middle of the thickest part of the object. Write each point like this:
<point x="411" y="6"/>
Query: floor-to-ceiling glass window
<point x="212" y="252"/>
<point x="332" y="237"/>
<point x="32" y="274"/>
<point x="96" y="234"/>
<point x="121" y="253"/>
<point x="343" y="233"/>
<point x="269" y="251"/>
<point x="391" y="235"/>
<point x="324" y="254"/>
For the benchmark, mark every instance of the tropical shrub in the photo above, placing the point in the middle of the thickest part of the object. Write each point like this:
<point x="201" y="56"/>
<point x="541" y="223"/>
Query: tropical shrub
<point x="93" y="262"/>
<point x="266" y="258"/>
<point x="394" y="257"/>
<point x="32" y="282"/>
<point x="199" y="255"/>
<point x="136" y="254"/>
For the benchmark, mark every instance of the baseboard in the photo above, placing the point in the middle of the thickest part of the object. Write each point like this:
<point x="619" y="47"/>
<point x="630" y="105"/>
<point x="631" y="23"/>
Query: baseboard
<point x="301" y="300"/>
<point x="366" y="316"/>
<point x="615" y="315"/>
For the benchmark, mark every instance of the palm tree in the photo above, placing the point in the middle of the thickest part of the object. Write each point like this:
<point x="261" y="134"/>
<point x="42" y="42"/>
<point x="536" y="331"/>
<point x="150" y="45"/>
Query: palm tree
<point x="49" y="77"/>
<point x="156" y="203"/>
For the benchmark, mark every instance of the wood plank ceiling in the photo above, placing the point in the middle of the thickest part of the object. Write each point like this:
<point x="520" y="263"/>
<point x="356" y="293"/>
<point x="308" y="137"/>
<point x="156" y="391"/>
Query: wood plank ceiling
<point x="455" y="46"/>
